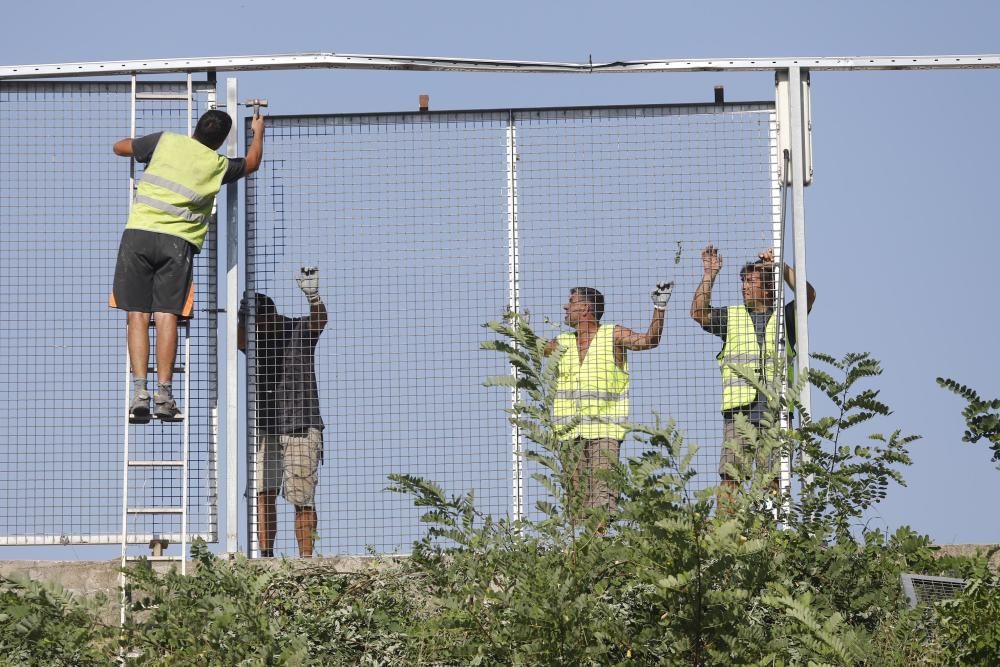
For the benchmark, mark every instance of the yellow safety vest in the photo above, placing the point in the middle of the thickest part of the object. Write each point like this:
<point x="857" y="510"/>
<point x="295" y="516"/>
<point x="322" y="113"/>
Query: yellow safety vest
<point x="177" y="190"/>
<point x="592" y="396"/>
<point x="741" y="349"/>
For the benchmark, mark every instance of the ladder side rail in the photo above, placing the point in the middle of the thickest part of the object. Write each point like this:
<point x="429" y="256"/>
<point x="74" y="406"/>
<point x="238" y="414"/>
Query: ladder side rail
<point x="125" y="430"/>
<point x="186" y="424"/>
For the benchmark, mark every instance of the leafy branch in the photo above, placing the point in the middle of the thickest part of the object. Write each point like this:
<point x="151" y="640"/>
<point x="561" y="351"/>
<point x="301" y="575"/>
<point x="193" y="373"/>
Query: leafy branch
<point x="982" y="417"/>
<point x="840" y="481"/>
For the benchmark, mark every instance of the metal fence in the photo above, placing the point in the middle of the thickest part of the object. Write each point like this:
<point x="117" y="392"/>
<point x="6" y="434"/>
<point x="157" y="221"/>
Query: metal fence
<point x="427" y="225"/>
<point x="64" y="199"/>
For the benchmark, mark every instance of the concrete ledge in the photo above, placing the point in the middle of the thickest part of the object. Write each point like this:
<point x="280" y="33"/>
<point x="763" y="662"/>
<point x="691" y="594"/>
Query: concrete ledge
<point x="972" y="550"/>
<point x="91" y="577"/>
<point x="88" y="578"/>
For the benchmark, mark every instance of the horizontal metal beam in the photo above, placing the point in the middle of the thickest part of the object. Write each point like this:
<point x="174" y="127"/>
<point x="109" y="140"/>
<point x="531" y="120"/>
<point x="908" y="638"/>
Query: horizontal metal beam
<point x="433" y="64"/>
<point x="96" y="539"/>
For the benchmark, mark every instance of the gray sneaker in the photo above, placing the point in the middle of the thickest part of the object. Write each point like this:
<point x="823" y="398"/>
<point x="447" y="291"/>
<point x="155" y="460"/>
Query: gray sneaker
<point x="165" y="407"/>
<point x="138" y="409"/>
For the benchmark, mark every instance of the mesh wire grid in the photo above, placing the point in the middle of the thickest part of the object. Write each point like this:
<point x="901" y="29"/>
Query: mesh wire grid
<point x="923" y="589"/>
<point x="408" y="217"/>
<point x="63" y="204"/>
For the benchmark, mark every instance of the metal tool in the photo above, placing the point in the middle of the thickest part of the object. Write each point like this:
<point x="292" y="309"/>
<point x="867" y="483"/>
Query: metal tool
<point x="256" y="103"/>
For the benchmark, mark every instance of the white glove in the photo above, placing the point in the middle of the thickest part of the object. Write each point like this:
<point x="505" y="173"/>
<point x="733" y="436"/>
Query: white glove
<point x="661" y="295"/>
<point x="308" y="281"/>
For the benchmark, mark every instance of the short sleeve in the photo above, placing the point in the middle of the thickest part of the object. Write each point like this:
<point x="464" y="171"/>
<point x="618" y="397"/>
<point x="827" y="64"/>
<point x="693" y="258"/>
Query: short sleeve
<point x="790" y="324"/>
<point x="143" y="147"/>
<point x="235" y="170"/>
<point x="718" y="320"/>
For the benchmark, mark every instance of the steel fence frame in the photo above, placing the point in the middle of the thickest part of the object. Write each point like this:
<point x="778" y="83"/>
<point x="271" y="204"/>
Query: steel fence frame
<point x="517" y="141"/>
<point x="65" y="221"/>
<point x="793" y="131"/>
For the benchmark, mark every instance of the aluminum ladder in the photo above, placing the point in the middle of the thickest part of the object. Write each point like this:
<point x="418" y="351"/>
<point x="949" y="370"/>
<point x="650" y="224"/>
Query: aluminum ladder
<point x="172" y="437"/>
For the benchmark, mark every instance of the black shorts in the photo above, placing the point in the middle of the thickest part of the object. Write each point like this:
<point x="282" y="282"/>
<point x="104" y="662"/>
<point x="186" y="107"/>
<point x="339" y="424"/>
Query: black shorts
<point x="153" y="273"/>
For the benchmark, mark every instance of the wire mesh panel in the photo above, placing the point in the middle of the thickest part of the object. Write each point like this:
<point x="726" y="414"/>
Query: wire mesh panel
<point x="405" y="218"/>
<point x="63" y="203"/>
<point x="411" y="220"/>
<point x="619" y="199"/>
<point x="924" y="589"/>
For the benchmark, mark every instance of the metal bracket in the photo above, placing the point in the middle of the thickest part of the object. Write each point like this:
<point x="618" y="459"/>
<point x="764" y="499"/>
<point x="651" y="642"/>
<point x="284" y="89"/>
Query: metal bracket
<point x="785" y="124"/>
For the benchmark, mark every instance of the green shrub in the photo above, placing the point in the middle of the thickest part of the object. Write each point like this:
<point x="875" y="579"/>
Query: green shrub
<point x="666" y="579"/>
<point x="43" y="624"/>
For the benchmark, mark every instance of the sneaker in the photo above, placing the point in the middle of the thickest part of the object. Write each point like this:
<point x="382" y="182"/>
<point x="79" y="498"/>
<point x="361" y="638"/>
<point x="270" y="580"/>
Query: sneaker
<point x="165" y="407"/>
<point x="138" y="409"/>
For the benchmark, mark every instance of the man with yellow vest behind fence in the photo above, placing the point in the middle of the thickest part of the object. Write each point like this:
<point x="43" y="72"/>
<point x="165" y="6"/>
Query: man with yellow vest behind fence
<point x="750" y="335"/>
<point x="593" y="383"/>
<point x="166" y="228"/>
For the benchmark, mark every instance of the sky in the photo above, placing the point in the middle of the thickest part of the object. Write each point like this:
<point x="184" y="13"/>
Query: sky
<point x="901" y="221"/>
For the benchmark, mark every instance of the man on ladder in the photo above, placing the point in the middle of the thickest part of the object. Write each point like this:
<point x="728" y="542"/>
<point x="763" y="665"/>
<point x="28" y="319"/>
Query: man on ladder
<point x="166" y="228"/>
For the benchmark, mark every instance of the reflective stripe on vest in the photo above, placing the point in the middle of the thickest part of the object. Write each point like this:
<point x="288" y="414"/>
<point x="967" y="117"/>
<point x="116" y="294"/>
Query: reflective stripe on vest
<point x="176" y="211"/>
<point x="166" y="183"/>
<point x="741" y="349"/>
<point x="177" y="190"/>
<point x="591" y="397"/>
<point x="568" y="421"/>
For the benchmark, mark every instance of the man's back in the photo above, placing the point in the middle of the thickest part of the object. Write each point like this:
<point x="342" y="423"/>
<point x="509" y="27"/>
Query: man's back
<point x="176" y="192"/>
<point x="288" y="396"/>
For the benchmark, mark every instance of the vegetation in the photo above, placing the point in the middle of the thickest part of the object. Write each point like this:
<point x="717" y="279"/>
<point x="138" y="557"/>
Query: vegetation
<point x="667" y="579"/>
<point x="982" y="417"/>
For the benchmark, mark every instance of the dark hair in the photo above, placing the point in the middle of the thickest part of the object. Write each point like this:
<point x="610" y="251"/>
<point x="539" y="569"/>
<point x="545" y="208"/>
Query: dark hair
<point x="592" y="298"/>
<point x="766" y="272"/>
<point x="263" y="305"/>
<point x="213" y="128"/>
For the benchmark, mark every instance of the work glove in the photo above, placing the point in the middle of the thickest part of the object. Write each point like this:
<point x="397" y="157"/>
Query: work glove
<point x="661" y="295"/>
<point x="308" y="281"/>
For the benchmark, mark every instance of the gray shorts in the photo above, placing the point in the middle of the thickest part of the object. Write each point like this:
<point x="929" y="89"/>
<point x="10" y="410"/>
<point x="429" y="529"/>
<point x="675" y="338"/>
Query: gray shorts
<point x="289" y="464"/>
<point x="733" y="442"/>
<point x="153" y="272"/>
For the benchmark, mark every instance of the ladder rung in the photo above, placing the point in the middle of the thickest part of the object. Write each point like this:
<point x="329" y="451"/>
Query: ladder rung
<point x="162" y="96"/>
<point x="155" y="510"/>
<point x="179" y="418"/>
<point x="177" y="369"/>
<point x="150" y="463"/>
<point x="154" y="559"/>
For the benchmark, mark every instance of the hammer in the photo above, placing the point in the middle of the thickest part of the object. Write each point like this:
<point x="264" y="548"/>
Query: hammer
<point x="256" y="103"/>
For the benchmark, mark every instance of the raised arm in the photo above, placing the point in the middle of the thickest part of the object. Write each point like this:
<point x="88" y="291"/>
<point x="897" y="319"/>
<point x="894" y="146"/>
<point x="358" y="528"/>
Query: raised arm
<point x="627" y="339"/>
<point x="241" y="325"/>
<point x="701" y="304"/>
<point x="255" y="154"/>
<point x="789" y="274"/>
<point x="308" y="281"/>
<point x="241" y="333"/>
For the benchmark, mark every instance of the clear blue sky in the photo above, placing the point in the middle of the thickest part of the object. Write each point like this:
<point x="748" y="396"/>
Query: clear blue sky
<point x="901" y="220"/>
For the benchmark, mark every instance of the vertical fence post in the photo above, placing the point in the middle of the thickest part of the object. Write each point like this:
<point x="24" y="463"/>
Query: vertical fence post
<point x="232" y="301"/>
<point x="778" y="167"/>
<point x="798" y="174"/>
<point x="517" y="459"/>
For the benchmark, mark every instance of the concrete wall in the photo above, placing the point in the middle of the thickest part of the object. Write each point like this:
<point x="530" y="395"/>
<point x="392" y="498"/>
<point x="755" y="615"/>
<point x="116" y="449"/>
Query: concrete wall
<point x="88" y="578"/>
